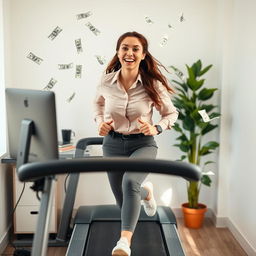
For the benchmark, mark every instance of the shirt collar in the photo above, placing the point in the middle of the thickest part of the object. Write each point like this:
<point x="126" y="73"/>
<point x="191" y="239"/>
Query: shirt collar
<point x="115" y="77"/>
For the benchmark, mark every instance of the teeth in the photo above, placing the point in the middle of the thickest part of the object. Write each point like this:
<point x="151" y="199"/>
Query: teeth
<point x="129" y="60"/>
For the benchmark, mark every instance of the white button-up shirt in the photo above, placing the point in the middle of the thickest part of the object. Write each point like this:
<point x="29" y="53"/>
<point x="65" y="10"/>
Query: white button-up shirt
<point x="113" y="102"/>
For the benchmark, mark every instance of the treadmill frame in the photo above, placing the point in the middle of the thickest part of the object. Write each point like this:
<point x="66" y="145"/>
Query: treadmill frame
<point x="27" y="172"/>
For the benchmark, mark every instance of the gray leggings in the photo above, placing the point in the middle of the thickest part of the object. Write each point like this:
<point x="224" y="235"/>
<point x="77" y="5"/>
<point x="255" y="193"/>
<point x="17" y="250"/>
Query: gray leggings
<point x="126" y="186"/>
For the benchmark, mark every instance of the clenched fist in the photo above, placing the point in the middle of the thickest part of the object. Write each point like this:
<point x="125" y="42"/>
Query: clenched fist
<point x="105" y="127"/>
<point x="147" y="129"/>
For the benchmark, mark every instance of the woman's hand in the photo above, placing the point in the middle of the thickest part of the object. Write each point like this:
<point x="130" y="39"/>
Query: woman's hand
<point x="147" y="129"/>
<point x="105" y="127"/>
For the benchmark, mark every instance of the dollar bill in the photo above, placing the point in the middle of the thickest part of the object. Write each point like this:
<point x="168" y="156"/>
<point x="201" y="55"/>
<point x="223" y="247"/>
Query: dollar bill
<point x="78" y="71"/>
<point x="83" y="15"/>
<point x="100" y="59"/>
<point x="65" y="66"/>
<point x="78" y="44"/>
<point x="54" y="33"/>
<point x="148" y="20"/>
<point x="164" y="40"/>
<point x="50" y="85"/>
<point x="92" y="28"/>
<point x="71" y="97"/>
<point x="205" y="116"/>
<point x="34" y="58"/>
<point x="182" y="17"/>
<point x="179" y="73"/>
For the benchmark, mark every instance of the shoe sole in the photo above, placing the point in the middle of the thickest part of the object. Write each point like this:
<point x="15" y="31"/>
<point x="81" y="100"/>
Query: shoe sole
<point x="119" y="253"/>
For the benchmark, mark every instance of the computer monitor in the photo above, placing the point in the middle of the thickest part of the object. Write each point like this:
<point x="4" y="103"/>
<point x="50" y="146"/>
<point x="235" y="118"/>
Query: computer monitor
<point x="37" y="107"/>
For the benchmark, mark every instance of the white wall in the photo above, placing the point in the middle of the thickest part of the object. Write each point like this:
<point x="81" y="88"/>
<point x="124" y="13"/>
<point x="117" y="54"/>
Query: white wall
<point x="32" y="21"/>
<point x="237" y="175"/>
<point x="5" y="174"/>
<point x="218" y="32"/>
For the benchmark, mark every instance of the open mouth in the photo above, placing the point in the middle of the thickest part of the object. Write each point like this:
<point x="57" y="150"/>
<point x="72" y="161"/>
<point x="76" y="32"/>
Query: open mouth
<point x="129" y="60"/>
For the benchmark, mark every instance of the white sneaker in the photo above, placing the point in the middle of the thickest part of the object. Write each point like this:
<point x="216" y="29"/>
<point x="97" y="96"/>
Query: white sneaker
<point x="122" y="248"/>
<point x="149" y="205"/>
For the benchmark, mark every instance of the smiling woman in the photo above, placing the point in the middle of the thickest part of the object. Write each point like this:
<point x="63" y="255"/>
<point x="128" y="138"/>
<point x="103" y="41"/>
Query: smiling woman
<point x="129" y="91"/>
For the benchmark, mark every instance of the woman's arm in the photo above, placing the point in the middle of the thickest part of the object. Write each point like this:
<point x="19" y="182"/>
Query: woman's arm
<point x="167" y="110"/>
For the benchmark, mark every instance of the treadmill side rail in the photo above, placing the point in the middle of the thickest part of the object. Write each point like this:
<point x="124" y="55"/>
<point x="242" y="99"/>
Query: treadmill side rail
<point x="77" y="242"/>
<point x="172" y="240"/>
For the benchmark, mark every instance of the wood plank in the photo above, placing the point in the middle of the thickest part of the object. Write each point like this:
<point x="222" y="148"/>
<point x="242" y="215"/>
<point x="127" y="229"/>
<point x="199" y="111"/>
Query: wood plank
<point x="209" y="240"/>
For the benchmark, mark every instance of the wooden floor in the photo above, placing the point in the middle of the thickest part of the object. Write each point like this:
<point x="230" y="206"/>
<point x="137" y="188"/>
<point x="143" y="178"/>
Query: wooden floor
<point x="207" y="241"/>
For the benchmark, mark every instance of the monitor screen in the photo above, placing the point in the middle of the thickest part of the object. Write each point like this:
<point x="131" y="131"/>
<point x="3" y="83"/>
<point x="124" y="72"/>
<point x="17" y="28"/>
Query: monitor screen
<point x="38" y="106"/>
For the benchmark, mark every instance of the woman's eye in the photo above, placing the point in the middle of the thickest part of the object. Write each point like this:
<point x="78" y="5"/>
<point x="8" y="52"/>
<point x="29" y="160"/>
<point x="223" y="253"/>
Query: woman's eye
<point x="135" y="49"/>
<point x="125" y="48"/>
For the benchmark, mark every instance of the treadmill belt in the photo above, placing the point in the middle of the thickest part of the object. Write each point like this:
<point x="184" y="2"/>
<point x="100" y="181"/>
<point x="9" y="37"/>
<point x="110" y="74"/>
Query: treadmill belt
<point x="147" y="239"/>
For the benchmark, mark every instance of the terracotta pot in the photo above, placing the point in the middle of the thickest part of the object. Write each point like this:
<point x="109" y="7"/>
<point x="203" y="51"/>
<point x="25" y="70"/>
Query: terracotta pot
<point x="193" y="218"/>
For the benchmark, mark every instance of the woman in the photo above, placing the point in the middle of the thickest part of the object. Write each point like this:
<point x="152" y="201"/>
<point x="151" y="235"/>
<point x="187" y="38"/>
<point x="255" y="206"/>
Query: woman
<point x="131" y="87"/>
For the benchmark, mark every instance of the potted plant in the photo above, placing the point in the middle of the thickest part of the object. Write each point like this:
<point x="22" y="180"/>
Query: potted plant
<point x="194" y="122"/>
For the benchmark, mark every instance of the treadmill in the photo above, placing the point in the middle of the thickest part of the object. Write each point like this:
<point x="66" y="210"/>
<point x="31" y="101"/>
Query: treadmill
<point x="97" y="228"/>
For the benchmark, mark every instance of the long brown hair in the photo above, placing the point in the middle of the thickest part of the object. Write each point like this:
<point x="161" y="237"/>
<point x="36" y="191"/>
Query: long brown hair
<point x="148" y="69"/>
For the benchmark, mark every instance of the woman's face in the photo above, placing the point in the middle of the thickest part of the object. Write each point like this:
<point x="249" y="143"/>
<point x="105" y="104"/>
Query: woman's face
<point x="130" y="53"/>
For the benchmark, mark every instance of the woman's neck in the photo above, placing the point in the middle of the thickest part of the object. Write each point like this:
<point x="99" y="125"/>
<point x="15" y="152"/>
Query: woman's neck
<point x="128" y="77"/>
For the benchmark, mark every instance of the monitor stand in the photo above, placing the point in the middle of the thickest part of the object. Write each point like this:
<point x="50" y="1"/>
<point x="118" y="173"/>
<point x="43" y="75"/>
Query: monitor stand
<point x="26" y="132"/>
<point x="45" y="185"/>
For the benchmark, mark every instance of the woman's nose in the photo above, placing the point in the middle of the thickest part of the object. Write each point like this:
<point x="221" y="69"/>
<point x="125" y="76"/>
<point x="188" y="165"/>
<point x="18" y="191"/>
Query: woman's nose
<point x="129" y="52"/>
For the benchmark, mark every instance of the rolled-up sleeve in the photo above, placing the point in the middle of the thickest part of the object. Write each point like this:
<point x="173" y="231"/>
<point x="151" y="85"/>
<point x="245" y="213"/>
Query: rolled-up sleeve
<point x="99" y="105"/>
<point x="167" y="110"/>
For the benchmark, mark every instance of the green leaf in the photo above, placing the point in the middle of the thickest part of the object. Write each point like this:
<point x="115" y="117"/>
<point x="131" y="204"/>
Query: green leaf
<point x="214" y="114"/>
<point x="183" y="157"/>
<point x="188" y="123"/>
<point x="181" y="116"/>
<point x="199" y="84"/>
<point x="205" y="179"/>
<point x="209" y="162"/>
<point x="183" y="137"/>
<point x="182" y="147"/>
<point x="178" y="103"/>
<point x="183" y="85"/>
<point x="191" y="81"/>
<point x="196" y="116"/>
<point x="202" y="125"/>
<point x="176" y="127"/>
<point x="194" y="84"/>
<point x="182" y="102"/>
<point x="205" y="149"/>
<point x="205" y="153"/>
<point x="204" y="70"/>
<point x="190" y="72"/>
<point x="181" y="90"/>
<point x="198" y="66"/>
<point x="206" y="94"/>
<point x="208" y="128"/>
<point x="207" y="107"/>
<point x="211" y="145"/>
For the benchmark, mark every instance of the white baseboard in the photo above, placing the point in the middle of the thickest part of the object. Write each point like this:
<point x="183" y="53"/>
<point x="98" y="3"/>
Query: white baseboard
<point x="248" y="248"/>
<point x="225" y="222"/>
<point x="4" y="240"/>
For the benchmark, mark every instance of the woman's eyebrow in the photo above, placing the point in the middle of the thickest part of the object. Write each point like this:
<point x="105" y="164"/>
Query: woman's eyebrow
<point x="132" y="45"/>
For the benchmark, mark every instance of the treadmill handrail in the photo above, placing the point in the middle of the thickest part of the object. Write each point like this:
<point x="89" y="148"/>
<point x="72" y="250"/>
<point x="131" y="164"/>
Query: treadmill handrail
<point x="32" y="171"/>
<point x="83" y="143"/>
